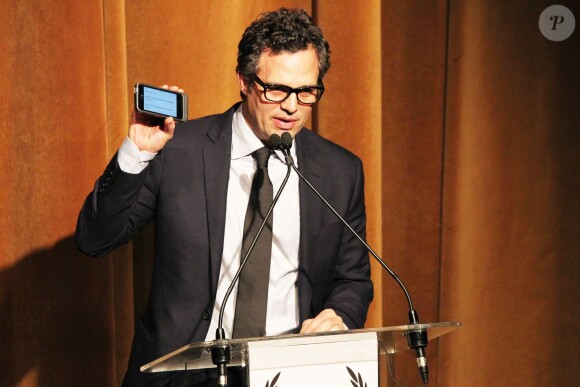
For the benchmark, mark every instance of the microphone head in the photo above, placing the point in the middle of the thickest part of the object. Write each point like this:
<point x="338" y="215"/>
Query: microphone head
<point x="276" y="141"/>
<point x="286" y="140"/>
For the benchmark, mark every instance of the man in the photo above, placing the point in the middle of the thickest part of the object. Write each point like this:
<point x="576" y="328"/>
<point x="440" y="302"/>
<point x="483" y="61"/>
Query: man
<point x="194" y="179"/>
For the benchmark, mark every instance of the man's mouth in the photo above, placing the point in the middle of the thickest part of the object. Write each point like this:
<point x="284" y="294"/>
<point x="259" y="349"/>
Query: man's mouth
<point x="284" y="123"/>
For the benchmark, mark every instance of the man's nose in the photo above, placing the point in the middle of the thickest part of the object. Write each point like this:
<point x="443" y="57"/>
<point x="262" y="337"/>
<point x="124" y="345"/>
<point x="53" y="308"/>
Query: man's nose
<point x="290" y="104"/>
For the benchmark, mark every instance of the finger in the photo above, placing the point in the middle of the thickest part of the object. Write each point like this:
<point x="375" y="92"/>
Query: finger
<point x="169" y="126"/>
<point x="312" y="325"/>
<point x="168" y="123"/>
<point x="328" y="324"/>
<point x="317" y="324"/>
<point x="306" y="326"/>
<point x="172" y="88"/>
<point x="331" y="324"/>
<point x="326" y="321"/>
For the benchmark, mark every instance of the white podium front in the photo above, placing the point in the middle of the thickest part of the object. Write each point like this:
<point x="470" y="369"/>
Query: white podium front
<point x="333" y="359"/>
<point x="316" y="360"/>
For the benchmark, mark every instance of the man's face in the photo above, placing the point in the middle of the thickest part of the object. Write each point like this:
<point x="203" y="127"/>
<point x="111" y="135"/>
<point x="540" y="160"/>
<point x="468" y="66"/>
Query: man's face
<point x="289" y="69"/>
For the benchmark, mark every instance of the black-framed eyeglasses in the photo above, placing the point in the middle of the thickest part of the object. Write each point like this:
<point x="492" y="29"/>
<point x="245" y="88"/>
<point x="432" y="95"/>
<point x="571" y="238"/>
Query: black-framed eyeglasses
<point x="307" y="95"/>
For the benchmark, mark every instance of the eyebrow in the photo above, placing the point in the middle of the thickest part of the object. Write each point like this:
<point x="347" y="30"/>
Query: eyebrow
<point x="318" y="84"/>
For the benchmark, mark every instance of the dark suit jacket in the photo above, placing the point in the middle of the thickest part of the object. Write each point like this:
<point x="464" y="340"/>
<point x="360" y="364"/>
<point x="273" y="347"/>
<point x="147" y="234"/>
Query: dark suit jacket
<point x="184" y="190"/>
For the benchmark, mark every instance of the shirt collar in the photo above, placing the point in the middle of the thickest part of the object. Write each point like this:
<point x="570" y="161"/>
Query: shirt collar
<point x="245" y="142"/>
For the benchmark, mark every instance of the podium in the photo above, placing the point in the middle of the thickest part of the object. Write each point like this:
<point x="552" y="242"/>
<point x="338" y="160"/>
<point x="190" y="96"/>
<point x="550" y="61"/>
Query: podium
<point x="339" y="358"/>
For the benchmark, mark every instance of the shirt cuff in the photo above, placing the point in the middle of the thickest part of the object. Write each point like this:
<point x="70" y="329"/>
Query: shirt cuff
<point x="131" y="160"/>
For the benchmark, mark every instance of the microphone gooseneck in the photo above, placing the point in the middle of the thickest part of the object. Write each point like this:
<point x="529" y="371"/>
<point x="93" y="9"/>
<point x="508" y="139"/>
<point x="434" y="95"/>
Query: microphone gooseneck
<point x="220" y="351"/>
<point x="416" y="338"/>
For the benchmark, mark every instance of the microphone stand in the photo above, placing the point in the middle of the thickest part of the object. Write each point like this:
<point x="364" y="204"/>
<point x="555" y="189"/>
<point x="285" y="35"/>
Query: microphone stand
<point x="220" y="351"/>
<point x="416" y="339"/>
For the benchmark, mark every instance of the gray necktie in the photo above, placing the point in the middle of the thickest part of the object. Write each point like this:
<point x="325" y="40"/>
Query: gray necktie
<point x="252" y="299"/>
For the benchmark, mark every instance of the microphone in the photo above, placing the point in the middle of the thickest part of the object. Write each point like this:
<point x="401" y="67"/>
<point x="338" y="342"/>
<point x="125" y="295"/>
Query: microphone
<point x="220" y="351"/>
<point x="416" y="338"/>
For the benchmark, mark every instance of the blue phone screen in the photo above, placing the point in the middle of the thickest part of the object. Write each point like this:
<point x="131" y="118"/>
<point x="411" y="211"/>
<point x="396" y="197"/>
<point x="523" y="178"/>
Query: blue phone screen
<point x="159" y="101"/>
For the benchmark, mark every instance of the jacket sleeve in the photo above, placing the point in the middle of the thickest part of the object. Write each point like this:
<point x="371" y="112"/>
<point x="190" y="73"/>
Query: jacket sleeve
<point x="351" y="290"/>
<point x="119" y="205"/>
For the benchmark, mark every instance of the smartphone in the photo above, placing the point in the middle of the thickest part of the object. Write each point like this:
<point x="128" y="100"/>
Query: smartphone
<point x="160" y="102"/>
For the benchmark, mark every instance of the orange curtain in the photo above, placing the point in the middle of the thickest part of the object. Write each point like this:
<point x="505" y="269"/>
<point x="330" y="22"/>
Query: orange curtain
<point x="464" y="116"/>
<point x="511" y="208"/>
<point x="63" y="317"/>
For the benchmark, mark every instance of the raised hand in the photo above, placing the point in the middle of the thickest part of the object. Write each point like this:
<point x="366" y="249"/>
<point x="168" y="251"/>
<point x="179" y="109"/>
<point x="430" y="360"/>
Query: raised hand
<point x="151" y="133"/>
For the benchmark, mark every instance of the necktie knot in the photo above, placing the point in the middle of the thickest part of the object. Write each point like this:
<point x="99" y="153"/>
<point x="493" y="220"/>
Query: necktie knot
<point x="262" y="156"/>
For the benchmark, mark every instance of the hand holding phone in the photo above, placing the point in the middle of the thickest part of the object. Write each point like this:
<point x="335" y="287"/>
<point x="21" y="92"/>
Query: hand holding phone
<point x="148" y="129"/>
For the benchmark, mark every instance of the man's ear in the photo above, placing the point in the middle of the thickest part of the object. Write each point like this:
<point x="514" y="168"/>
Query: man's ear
<point x="243" y="84"/>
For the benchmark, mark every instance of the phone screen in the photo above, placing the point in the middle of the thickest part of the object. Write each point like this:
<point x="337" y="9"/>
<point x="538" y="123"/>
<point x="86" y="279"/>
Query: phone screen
<point x="159" y="101"/>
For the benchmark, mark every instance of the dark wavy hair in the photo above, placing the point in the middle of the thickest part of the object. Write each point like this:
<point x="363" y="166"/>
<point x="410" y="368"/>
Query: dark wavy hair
<point x="284" y="30"/>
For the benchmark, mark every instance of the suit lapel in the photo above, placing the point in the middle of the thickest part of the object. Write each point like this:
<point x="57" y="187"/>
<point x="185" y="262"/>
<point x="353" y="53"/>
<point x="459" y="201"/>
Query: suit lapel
<point x="216" y="160"/>
<point x="310" y="218"/>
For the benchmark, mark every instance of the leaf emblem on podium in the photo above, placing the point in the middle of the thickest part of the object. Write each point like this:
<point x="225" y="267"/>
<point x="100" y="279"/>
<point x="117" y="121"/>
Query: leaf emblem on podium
<point x="357" y="380"/>
<point x="273" y="382"/>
